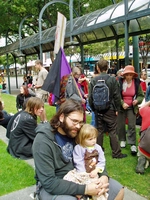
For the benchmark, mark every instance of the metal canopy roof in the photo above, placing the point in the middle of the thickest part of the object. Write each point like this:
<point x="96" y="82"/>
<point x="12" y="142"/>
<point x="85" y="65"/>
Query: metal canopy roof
<point x="98" y="26"/>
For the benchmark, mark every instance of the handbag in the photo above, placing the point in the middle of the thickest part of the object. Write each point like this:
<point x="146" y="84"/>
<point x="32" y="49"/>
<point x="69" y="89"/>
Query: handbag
<point x="144" y="142"/>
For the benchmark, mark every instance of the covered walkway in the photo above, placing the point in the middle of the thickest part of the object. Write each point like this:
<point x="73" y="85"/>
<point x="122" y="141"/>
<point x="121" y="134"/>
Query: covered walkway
<point x="111" y="23"/>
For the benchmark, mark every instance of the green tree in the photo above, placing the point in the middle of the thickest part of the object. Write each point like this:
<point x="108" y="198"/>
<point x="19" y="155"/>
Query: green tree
<point x="13" y="11"/>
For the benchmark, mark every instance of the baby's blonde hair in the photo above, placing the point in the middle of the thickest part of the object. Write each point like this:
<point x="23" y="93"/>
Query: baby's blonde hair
<point x="86" y="132"/>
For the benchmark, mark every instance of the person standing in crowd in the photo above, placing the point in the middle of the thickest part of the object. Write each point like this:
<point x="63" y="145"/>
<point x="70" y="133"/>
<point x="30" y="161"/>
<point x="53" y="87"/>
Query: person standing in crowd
<point x="131" y="96"/>
<point x="143" y="77"/>
<point x="96" y="73"/>
<point x="29" y="79"/>
<point x="147" y="95"/>
<point x="22" y="132"/>
<point x="144" y="142"/>
<point x="112" y="71"/>
<point x="3" y="84"/>
<point x="24" y="94"/>
<point x="88" y="158"/>
<point x="52" y="152"/>
<point x="4" y="116"/>
<point x="42" y="74"/>
<point x="107" y="117"/>
<point x="71" y="89"/>
<point x="119" y="74"/>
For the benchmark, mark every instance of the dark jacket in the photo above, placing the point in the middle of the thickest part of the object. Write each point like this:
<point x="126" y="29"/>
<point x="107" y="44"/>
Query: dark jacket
<point x="139" y="94"/>
<point x="6" y="118"/>
<point x="114" y="94"/>
<point x="22" y="134"/>
<point x="50" y="164"/>
<point x="147" y="95"/>
<point x="20" y="100"/>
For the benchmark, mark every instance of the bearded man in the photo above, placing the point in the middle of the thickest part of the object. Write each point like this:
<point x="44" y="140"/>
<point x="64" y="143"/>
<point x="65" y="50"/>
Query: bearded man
<point x="52" y="152"/>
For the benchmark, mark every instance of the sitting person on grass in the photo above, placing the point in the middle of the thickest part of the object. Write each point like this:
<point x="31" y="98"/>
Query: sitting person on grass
<point x="4" y="116"/>
<point x="24" y="94"/>
<point x="89" y="159"/>
<point x="22" y="132"/>
<point x="52" y="152"/>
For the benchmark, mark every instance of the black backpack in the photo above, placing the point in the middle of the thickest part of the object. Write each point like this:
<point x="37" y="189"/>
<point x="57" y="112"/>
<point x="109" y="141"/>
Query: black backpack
<point x="100" y="94"/>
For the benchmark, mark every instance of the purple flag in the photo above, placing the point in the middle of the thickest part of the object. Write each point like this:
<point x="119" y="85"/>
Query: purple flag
<point x="60" y="67"/>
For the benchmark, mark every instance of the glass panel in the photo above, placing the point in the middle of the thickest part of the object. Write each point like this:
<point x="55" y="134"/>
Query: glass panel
<point x="108" y="32"/>
<point x="118" y="11"/>
<point x="99" y="33"/>
<point x="83" y="38"/>
<point x="119" y="28"/>
<point x="91" y="18"/>
<point x="144" y="22"/>
<point x="104" y="16"/>
<point x="139" y="5"/>
<point x="78" y="23"/>
<point x="133" y="26"/>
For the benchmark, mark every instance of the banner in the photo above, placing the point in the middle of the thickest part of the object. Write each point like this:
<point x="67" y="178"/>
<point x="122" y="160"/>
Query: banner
<point x="60" y="32"/>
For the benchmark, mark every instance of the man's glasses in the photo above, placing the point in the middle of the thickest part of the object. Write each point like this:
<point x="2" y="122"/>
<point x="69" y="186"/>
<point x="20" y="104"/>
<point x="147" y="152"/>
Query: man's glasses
<point x="75" y="122"/>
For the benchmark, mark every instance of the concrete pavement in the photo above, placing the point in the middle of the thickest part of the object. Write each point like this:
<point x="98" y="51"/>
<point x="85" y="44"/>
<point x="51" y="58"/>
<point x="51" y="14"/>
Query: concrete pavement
<point x="27" y="193"/>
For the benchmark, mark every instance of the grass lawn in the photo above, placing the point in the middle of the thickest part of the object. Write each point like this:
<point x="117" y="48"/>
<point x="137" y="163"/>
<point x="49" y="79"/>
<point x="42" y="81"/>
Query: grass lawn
<point x="15" y="174"/>
<point x="21" y="175"/>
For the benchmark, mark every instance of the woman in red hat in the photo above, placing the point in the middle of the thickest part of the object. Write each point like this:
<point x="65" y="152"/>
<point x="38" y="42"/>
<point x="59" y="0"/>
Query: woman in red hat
<point x="131" y="96"/>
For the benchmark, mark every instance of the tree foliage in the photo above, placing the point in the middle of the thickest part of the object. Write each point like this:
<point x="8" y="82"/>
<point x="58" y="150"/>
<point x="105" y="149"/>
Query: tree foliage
<point x="13" y="11"/>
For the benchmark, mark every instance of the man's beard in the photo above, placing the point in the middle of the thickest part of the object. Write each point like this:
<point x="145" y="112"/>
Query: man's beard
<point x="68" y="130"/>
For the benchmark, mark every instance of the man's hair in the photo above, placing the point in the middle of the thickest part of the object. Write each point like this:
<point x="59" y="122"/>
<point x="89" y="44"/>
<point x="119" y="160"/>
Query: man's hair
<point x="87" y="131"/>
<point x="142" y="72"/>
<point x="69" y="106"/>
<point x="103" y="65"/>
<point x="37" y="62"/>
<point x="33" y="103"/>
<point x="113" y="65"/>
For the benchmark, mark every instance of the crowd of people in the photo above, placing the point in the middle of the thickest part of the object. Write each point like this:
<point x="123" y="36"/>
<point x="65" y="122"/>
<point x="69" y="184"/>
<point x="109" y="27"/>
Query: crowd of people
<point x="69" y="154"/>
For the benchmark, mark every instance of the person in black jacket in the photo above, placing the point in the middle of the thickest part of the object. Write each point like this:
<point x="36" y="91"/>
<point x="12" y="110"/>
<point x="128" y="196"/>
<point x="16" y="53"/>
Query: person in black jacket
<point x="4" y="116"/>
<point x="108" y="116"/>
<point x="24" y="94"/>
<point x="22" y="132"/>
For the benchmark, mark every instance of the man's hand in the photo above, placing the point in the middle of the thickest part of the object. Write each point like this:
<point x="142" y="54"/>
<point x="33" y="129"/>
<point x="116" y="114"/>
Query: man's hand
<point x="98" y="188"/>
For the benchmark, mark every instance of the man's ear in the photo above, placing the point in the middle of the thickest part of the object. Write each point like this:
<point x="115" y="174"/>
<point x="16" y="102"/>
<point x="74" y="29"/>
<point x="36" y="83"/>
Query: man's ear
<point x="61" y="117"/>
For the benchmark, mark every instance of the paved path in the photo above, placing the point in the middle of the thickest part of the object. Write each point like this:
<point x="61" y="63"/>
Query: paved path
<point x="26" y="194"/>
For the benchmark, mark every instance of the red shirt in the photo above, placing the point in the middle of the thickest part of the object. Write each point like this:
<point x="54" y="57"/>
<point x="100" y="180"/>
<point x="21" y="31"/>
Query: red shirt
<point x="128" y="94"/>
<point x="143" y="85"/>
<point x="145" y="113"/>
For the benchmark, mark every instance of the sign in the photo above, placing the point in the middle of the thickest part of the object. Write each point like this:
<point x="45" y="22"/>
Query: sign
<point x="60" y="32"/>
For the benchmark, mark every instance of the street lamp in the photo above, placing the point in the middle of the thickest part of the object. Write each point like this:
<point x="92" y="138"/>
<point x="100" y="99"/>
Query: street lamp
<point x="20" y="37"/>
<point x="40" y="24"/>
<point x="144" y="48"/>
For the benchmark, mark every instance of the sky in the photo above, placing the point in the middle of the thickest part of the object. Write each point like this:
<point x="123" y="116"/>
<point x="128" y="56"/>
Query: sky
<point x="2" y="42"/>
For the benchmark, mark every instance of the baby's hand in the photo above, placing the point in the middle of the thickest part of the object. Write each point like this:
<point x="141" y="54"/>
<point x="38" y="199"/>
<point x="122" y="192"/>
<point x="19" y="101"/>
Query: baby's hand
<point x="93" y="173"/>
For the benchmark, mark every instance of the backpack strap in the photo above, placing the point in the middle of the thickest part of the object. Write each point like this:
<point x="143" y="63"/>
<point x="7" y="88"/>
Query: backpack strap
<point x="102" y="77"/>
